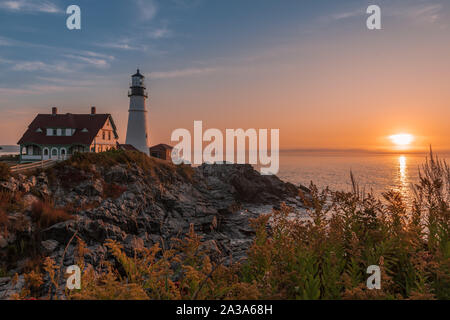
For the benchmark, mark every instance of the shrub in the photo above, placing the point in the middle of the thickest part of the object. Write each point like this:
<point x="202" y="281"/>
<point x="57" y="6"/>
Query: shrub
<point x="3" y="219"/>
<point x="11" y="201"/>
<point x="5" y="173"/>
<point x="162" y="170"/>
<point x="46" y="215"/>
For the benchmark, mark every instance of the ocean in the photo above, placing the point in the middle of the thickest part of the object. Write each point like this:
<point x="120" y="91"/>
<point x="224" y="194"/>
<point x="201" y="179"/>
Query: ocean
<point x="9" y="150"/>
<point x="373" y="172"/>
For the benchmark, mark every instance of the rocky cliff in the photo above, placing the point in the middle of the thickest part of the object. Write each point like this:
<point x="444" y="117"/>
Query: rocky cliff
<point x="133" y="200"/>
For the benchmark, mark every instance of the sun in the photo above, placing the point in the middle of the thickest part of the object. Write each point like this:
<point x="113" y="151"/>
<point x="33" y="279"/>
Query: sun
<point x="402" y="139"/>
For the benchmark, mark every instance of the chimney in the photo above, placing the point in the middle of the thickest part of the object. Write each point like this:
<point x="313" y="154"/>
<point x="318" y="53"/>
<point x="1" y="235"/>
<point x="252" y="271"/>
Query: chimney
<point x="93" y="110"/>
<point x="54" y="111"/>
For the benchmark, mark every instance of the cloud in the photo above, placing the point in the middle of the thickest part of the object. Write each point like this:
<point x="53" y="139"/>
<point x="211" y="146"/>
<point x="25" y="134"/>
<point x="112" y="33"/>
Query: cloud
<point x="30" y="66"/>
<point x="123" y="44"/>
<point x="429" y="13"/>
<point x="182" y="73"/>
<point x="5" y="42"/>
<point x="147" y="9"/>
<point x="98" y="60"/>
<point x="77" y="61"/>
<point x="159" y="33"/>
<point x="30" y="6"/>
<point x="186" y="4"/>
<point x="417" y="12"/>
<point x="346" y="14"/>
<point x="34" y="90"/>
<point x="128" y="44"/>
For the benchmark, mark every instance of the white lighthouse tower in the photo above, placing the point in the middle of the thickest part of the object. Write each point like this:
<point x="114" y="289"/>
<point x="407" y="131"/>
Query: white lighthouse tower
<point x="137" y="131"/>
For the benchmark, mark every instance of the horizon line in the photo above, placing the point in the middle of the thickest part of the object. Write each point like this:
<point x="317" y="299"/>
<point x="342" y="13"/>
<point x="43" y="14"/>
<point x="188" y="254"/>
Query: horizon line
<point x="337" y="150"/>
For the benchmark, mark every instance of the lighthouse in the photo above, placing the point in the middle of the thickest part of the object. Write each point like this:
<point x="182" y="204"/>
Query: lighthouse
<point x="137" y="131"/>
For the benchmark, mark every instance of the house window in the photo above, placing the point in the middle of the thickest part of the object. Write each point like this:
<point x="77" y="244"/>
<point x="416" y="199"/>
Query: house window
<point x="109" y="135"/>
<point x="103" y="135"/>
<point x="54" y="152"/>
<point x="55" y="132"/>
<point x="36" y="151"/>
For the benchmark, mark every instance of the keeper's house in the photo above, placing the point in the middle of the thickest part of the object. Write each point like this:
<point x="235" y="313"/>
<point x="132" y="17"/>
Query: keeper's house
<point x="58" y="136"/>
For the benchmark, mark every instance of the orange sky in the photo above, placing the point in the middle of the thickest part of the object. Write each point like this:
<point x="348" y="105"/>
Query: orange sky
<point x="340" y="86"/>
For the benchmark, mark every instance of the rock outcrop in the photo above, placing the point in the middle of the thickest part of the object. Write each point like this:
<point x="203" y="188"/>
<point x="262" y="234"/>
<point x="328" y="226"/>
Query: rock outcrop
<point x="127" y="204"/>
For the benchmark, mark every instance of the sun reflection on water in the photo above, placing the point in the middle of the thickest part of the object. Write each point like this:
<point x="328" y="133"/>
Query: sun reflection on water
<point x="403" y="176"/>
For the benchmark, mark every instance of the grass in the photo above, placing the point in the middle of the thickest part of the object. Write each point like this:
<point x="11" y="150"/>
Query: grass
<point x="3" y="219"/>
<point x="5" y="172"/>
<point x="160" y="169"/>
<point x="45" y="214"/>
<point x="11" y="201"/>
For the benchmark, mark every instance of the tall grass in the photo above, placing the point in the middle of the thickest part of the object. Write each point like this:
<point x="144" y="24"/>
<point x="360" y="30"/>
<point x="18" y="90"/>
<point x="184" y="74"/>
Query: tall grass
<point x="45" y="214"/>
<point x="5" y="173"/>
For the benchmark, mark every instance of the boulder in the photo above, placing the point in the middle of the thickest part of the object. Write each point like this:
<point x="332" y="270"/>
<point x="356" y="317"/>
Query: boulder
<point x="49" y="246"/>
<point x="90" y="188"/>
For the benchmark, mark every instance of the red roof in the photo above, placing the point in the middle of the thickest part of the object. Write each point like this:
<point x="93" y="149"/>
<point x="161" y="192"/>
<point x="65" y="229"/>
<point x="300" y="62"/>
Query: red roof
<point x="127" y="147"/>
<point x="92" y="122"/>
<point x="162" y="146"/>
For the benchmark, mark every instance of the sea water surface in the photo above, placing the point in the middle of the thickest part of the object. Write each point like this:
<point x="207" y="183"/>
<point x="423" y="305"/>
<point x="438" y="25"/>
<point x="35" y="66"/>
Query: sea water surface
<point x="6" y="150"/>
<point x="373" y="172"/>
